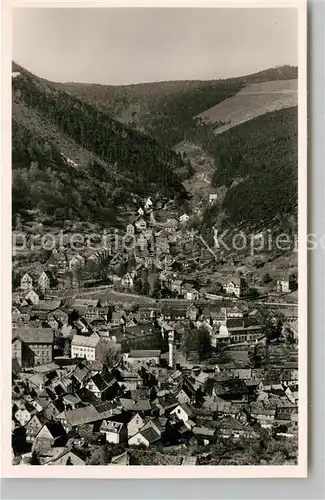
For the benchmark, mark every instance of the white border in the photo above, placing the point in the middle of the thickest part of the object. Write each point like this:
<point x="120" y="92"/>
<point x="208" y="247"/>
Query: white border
<point x="283" y="471"/>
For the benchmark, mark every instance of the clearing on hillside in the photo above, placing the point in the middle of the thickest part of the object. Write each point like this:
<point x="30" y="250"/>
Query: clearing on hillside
<point x="254" y="100"/>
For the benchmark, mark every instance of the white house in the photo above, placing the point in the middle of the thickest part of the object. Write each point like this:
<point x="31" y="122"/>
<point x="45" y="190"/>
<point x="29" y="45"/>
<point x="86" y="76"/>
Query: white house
<point x="140" y="211"/>
<point x="148" y="204"/>
<point x="213" y="198"/>
<point x="192" y="294"/>
<point x="284" y="285"/>
<point x="115" y="432"/>
<point x="235" y="287"/>
<point x="130" y="229"/>
<point x="32" y="297"/>
<point x="44" y="281"/>
<point x="141" y="224"/>
<point x="183" y="218"/>
<point x="182" y="412"/>
<point x="84" y="347"/>
<point x="135" y="424"/>
<point x="127" y="281"/>
<point x="26" y="282"/>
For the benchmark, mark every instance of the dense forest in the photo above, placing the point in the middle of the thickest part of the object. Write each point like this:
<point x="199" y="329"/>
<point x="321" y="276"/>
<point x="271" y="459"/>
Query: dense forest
<point x="258" y="162"/>
<point x="165" y="110"/>
<point x="124" y="162"/>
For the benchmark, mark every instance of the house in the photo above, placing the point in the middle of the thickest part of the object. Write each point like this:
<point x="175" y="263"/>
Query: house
<point x="24" y="413"/>
<point x="285" y="284"/>
<point x="262" y="414"/>
<point x="183" y="412"/>
<point x="139" y="358"/>
<point x="51" y="434"/>
<point x="144" y="438"/>
<point x="240" y="330"/>
<point x="148" y="205"/>
<point x="204" y="435"/>
<point x="183" y="218"/>
<point x="192" y="294"/>
<point x="135" y="424"/>
<point x="140" y="224"/>
<point x="74" y="418"/>
<point x="115" y="432"/>
<point x="44" y="282"/>
<point x="192" y="312"/>
<point x="68" y="457"/>
<point x="32" y="297"/>
<point x="85" y="347"/>
<point x="48" y="305"/>
<point x="140" y="212"/>
<point x="26" y="282"/>
<point x="36" y="345"/>
<point x="130" y="230"/>
<point x="176" y="286"/>
<point x="185" y="393"/>
<point x="61" y="315"/>
<point x="213" y="198"/>
<point x="17" y="347"/>
<point x="103" y="385"/>
<point x="233" y="312"/>
<point x="157" y="424"/>
<point x="231" y="427"/>
<point x="236" y="286"/>
<point x="127" y="281"/>
<point x="33" y="427"/>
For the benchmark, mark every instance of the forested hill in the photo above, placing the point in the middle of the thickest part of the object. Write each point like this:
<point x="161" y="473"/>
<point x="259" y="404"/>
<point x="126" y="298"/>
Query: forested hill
<point x="257" y="164"/>
<point x="165" y="110"/>
<point x="72" y="160"/>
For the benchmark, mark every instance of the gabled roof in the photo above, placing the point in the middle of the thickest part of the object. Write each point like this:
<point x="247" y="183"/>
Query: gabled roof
<point x="150" y="435"/>
<point x="83" y="341"/>
<point x="48" y="305"/>
<point x="30" y="335"/>
<point x="103" y="381"/>
<point x="81" y="416"/>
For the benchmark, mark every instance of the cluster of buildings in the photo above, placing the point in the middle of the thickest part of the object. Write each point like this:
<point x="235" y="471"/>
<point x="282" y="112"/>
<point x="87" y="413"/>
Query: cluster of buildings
<point x="63" y="411"/>
<point x="68" y="400"/>
<point x="93" y="375"/>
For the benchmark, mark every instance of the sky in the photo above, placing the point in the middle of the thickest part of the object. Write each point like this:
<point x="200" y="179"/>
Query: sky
<point x="117" y="46"/>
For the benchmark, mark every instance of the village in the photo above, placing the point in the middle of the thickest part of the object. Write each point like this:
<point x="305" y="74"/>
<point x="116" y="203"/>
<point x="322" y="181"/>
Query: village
<point x="135" y="354"/>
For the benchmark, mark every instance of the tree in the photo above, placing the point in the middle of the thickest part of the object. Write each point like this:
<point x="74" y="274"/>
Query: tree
<point x="66" y="348"/>
<point x="108" y="352"/>
<point x="198" y="341"/>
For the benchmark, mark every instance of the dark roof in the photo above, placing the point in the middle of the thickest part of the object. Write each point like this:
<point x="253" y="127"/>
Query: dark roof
<point x="232" y="386"/>
<point x="103" y="381"/>
<point x="236" y="323"/>
<point x="30" y="335"/>
<point x="150" y="434"/>
<point x="144" y="354"/>
<point x="55" y="428"/>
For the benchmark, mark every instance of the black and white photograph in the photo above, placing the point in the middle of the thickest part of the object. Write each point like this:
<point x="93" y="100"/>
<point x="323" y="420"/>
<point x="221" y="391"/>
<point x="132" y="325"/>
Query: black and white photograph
<point x="156" y="204"/>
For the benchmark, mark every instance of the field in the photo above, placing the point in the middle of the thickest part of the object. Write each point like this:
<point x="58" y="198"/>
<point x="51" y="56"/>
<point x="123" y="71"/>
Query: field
<point x="254" y="100"/>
